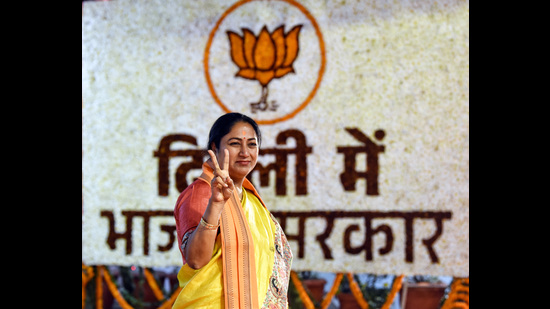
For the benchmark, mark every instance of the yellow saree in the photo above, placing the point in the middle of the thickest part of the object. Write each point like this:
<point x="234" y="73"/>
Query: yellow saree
<point x="251" y="260"/>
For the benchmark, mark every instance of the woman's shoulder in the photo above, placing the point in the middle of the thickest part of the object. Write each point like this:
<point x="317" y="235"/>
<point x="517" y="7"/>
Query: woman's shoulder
<point x="197" y="191"/>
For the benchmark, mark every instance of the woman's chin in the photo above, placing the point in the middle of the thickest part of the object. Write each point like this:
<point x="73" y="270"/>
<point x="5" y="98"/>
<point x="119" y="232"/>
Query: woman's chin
<point x="241" y="171"/>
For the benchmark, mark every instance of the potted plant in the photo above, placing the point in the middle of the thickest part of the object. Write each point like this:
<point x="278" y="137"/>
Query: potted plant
<point x="313" y="285"/>
<point x="294" y="300"/>
<point x="374" y="291"/>
<point x="345" y="296"/>
<point x="422" y="292"/>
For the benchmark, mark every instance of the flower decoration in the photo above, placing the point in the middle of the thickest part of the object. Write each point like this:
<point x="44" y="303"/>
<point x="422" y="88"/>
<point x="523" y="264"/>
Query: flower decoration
<point x="265" y="57"/>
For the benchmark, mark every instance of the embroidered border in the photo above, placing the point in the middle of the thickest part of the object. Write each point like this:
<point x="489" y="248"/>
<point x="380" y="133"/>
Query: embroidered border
<point x="185" y="238"/>
<point x="276" y="296"/>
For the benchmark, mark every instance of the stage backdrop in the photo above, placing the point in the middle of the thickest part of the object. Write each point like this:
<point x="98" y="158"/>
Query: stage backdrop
<point x="364" y="111"/>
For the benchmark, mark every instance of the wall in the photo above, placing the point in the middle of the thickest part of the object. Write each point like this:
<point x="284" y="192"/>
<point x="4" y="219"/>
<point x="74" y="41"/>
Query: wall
<point x="371" y="106"/>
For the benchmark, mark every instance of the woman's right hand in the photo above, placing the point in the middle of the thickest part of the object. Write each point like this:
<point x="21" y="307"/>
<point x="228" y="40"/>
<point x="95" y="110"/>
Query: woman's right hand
<point x="200" y="244"/>
<point x="222" y="185"/>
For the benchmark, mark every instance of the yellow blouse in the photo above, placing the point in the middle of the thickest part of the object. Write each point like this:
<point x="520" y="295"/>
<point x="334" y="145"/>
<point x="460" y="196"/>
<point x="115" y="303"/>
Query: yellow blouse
<point x="203" y="288"/>
<point x="263" y="235"/>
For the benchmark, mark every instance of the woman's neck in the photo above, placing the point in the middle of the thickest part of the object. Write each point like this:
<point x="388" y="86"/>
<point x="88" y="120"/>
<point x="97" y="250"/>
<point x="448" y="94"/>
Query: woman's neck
<point x="239" y="187"/>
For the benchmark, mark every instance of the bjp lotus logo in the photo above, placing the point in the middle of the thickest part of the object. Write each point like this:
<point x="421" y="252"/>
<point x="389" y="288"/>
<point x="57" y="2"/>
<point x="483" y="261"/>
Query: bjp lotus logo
<point x="264" y="57"/>
<point x="259" y="47"/>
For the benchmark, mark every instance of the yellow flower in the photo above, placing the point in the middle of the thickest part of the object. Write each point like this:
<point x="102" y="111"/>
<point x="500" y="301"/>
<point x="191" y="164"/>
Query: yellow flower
<point x="266" y="56"/>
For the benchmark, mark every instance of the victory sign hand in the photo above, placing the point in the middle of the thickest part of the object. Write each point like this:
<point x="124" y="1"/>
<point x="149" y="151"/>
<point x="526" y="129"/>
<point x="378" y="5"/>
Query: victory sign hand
<point x="222" y="185"/>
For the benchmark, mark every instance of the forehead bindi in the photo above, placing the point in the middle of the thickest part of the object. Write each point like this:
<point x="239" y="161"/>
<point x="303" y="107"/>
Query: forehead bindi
<point x="241" y="131"/>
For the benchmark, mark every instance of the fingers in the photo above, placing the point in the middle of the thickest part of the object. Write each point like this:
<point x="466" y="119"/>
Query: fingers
<point x="222" y="190"/>
<point x="219" y="182"/>
<point x="221" y="177"/>
<point x="226" y="160"/>
<point x="211" y="164"/>
<point x="214" y="159"/>
<point x="230" y="183"/>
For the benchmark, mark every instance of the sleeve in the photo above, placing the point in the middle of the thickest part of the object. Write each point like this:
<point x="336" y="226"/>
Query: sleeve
<point x="189" y="209"/>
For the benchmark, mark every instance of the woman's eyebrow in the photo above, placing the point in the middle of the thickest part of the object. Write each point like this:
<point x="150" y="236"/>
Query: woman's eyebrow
<point x="239" y="139"/>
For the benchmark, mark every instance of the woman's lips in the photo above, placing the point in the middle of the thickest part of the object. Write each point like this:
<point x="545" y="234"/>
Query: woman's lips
<point x="242" y="162"/>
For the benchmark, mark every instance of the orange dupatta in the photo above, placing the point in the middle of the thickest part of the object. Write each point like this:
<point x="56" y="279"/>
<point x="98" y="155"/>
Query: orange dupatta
<point x="239" y="266"/>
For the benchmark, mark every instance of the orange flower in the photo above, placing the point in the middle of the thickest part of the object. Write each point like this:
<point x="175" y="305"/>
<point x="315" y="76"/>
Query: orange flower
<point x="266" y="56"/>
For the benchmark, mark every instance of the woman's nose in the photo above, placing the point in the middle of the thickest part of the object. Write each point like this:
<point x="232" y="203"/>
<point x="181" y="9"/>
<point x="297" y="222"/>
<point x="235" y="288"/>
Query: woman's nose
<point x="244" y="150"/>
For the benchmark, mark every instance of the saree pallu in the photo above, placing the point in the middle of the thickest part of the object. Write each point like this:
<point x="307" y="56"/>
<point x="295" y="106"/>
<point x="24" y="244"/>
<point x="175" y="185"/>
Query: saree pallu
<point x="251" y="260"/>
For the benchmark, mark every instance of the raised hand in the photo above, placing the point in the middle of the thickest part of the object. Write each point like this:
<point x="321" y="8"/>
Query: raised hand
<point x="222" y="185"/>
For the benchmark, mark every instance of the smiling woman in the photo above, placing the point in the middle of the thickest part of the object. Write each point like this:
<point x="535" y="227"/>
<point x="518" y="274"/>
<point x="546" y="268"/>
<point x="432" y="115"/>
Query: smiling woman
<point x="218" y="216"/>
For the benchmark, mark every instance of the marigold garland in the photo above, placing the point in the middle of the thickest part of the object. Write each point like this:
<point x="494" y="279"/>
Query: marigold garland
<point x="356" y="291"/>
<point x="83" y="289"/>
<point x="459" y="296"/>
<point x="328" y="298"/>
<point x="397" y="282"/>
<point x="153" y="284"/>
<point x="99" y="289"/>
<point x="169" y="302"/>
<point x="114" y="290"/>
<point x="87" y="275"/>
<point x="301" y="291"/>
<point x="102" y="272"/>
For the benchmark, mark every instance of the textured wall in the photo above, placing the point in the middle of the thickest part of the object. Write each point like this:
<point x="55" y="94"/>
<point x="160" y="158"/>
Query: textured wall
<point x="384" y="82"/>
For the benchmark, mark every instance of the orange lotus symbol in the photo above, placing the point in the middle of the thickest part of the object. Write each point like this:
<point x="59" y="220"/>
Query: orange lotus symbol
<point x="265" y="57"/>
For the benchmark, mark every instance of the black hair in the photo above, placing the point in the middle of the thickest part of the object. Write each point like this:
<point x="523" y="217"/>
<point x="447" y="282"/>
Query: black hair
<point x="225" y="123"/>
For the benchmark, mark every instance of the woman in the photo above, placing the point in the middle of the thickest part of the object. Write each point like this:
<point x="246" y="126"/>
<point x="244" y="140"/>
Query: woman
<point x="234" y="252"/>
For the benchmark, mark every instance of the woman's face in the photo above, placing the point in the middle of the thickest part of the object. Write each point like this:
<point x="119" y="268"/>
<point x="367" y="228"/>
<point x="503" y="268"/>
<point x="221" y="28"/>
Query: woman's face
<point x="243" y="147"/>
